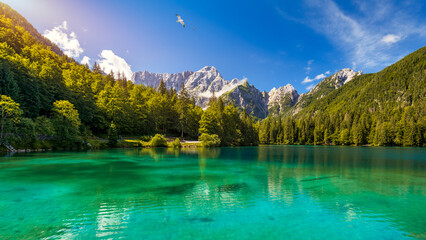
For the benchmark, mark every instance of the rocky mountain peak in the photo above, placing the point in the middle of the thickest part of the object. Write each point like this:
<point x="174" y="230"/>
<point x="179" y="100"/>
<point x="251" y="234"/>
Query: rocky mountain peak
<point x="276" y="93"/>
<point x="208" y="69"/>
<point x="344" y="76"/>
<point x="201" y="84"/>
<point x="282" y="98"/>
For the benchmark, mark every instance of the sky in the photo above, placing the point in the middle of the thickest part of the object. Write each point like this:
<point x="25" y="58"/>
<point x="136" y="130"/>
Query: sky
<point x="269" y="42"/>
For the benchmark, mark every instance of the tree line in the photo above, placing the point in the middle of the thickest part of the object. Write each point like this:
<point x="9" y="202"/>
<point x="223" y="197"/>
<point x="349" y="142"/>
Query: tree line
<point x="51" y="101"/>
<point x="345" y="129"/>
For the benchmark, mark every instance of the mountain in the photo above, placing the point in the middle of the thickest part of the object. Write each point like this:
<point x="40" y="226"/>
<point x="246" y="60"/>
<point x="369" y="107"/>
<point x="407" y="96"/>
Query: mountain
<point x="282" y="99"/>
<point x="323" y="88"/>
<point x="13" y="18"/>
<point x="386" y="108"/>
<point x="401" y="85"/>
<point x="249" y="97"/>
<point x="203" y="83"/>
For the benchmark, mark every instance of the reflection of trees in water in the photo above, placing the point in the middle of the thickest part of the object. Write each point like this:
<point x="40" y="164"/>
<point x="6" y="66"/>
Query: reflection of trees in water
<point x="111" y="191"/>
<point x="351" y="182"/>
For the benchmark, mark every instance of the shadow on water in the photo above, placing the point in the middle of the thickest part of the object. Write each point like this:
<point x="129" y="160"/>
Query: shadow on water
<point x="232" y="188"/>
<point x="177" y="189"/>
<point x="316" y="179"/>
<point x="200" y="219"/>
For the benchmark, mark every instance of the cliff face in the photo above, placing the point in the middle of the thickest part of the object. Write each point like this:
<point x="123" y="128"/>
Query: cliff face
<point x="282" y="101"/>
<point x="248" y="97"/>
<point x="201" y="84"/>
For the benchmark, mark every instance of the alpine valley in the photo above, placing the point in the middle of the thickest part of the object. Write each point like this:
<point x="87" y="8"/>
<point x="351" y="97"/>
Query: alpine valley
<point x="50" y="101"/>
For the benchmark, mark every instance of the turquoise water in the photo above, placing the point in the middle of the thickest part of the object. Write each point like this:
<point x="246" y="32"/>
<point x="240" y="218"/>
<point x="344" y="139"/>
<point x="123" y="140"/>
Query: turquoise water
<point x="271" y="192"/>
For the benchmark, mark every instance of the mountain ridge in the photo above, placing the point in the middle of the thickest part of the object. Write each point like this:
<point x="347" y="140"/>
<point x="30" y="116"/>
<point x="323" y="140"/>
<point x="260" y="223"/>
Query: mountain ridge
<point x="284" y="100"/>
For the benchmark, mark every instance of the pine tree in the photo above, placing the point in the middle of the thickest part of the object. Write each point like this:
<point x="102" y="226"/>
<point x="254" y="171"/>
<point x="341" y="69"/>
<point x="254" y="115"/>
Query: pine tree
<point x="162" y="87"/>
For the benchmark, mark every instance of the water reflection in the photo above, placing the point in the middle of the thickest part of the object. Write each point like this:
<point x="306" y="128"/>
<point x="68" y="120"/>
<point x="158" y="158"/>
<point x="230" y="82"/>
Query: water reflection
<point x="129" y="193"/>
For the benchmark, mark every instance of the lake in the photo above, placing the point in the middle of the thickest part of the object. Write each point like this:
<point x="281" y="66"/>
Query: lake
<point x="268" y="192"/>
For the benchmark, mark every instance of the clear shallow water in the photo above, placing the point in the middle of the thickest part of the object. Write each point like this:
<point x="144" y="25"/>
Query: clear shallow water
<point x="271" y="192"/>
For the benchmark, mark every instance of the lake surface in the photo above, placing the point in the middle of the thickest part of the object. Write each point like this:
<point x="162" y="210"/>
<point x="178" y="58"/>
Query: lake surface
<point x="270" y="192"/>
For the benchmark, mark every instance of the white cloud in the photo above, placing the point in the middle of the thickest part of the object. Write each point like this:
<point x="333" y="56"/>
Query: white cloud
<point x="308" y="68"/>
<point x="317" y="77"/>
<point x="67" y="42"/>
<point x="391" y="38"/>
<point x="85" y="60"/>
<point x="109" y="61"/>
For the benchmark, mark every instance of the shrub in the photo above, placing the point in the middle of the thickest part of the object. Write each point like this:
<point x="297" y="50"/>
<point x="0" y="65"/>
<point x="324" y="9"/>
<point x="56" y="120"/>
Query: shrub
<point x="209" y="140"/>
<point x="176" y="143"/>
<point x="126" y="144"/>
<point x="158" y="141"/>
<point x="146" y="138"/>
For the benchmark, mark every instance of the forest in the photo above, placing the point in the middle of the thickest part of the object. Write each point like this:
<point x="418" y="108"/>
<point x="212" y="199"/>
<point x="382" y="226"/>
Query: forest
<point x="49" y="101"/>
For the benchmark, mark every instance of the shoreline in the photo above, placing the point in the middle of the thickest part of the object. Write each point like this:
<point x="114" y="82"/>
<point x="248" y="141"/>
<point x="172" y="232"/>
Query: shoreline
<point x="193" y="146"/>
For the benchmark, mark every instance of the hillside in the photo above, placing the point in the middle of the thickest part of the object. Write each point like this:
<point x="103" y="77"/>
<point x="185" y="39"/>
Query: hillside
<point x="400" y="85"/>
<point x="14" y="18"/>
<point x="322" y="89"/>
<point x="384" y="108"/>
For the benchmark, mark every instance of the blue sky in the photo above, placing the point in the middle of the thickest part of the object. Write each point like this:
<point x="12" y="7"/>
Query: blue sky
<point x="271" y="43"/>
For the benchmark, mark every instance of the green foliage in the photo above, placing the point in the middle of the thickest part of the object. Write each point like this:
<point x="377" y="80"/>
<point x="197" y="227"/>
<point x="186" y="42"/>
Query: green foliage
<point x="10" y="115"/>
<point x="63" y="100"/>
<point x="112" y="135"/>
<point x="63" y="109"/>
<point x="382" y="109"/>
<point x="158" y="141"/>
<point x="233" y="129"/>
<point x="44" y="127"/>
<point x="176" y="143"/>
<point x="209" y="140"/>
<point x="66" y="122"/>
<point x="189" y="114"/>
<point x="146" y="138"/>
<point x="27" y="136"/>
